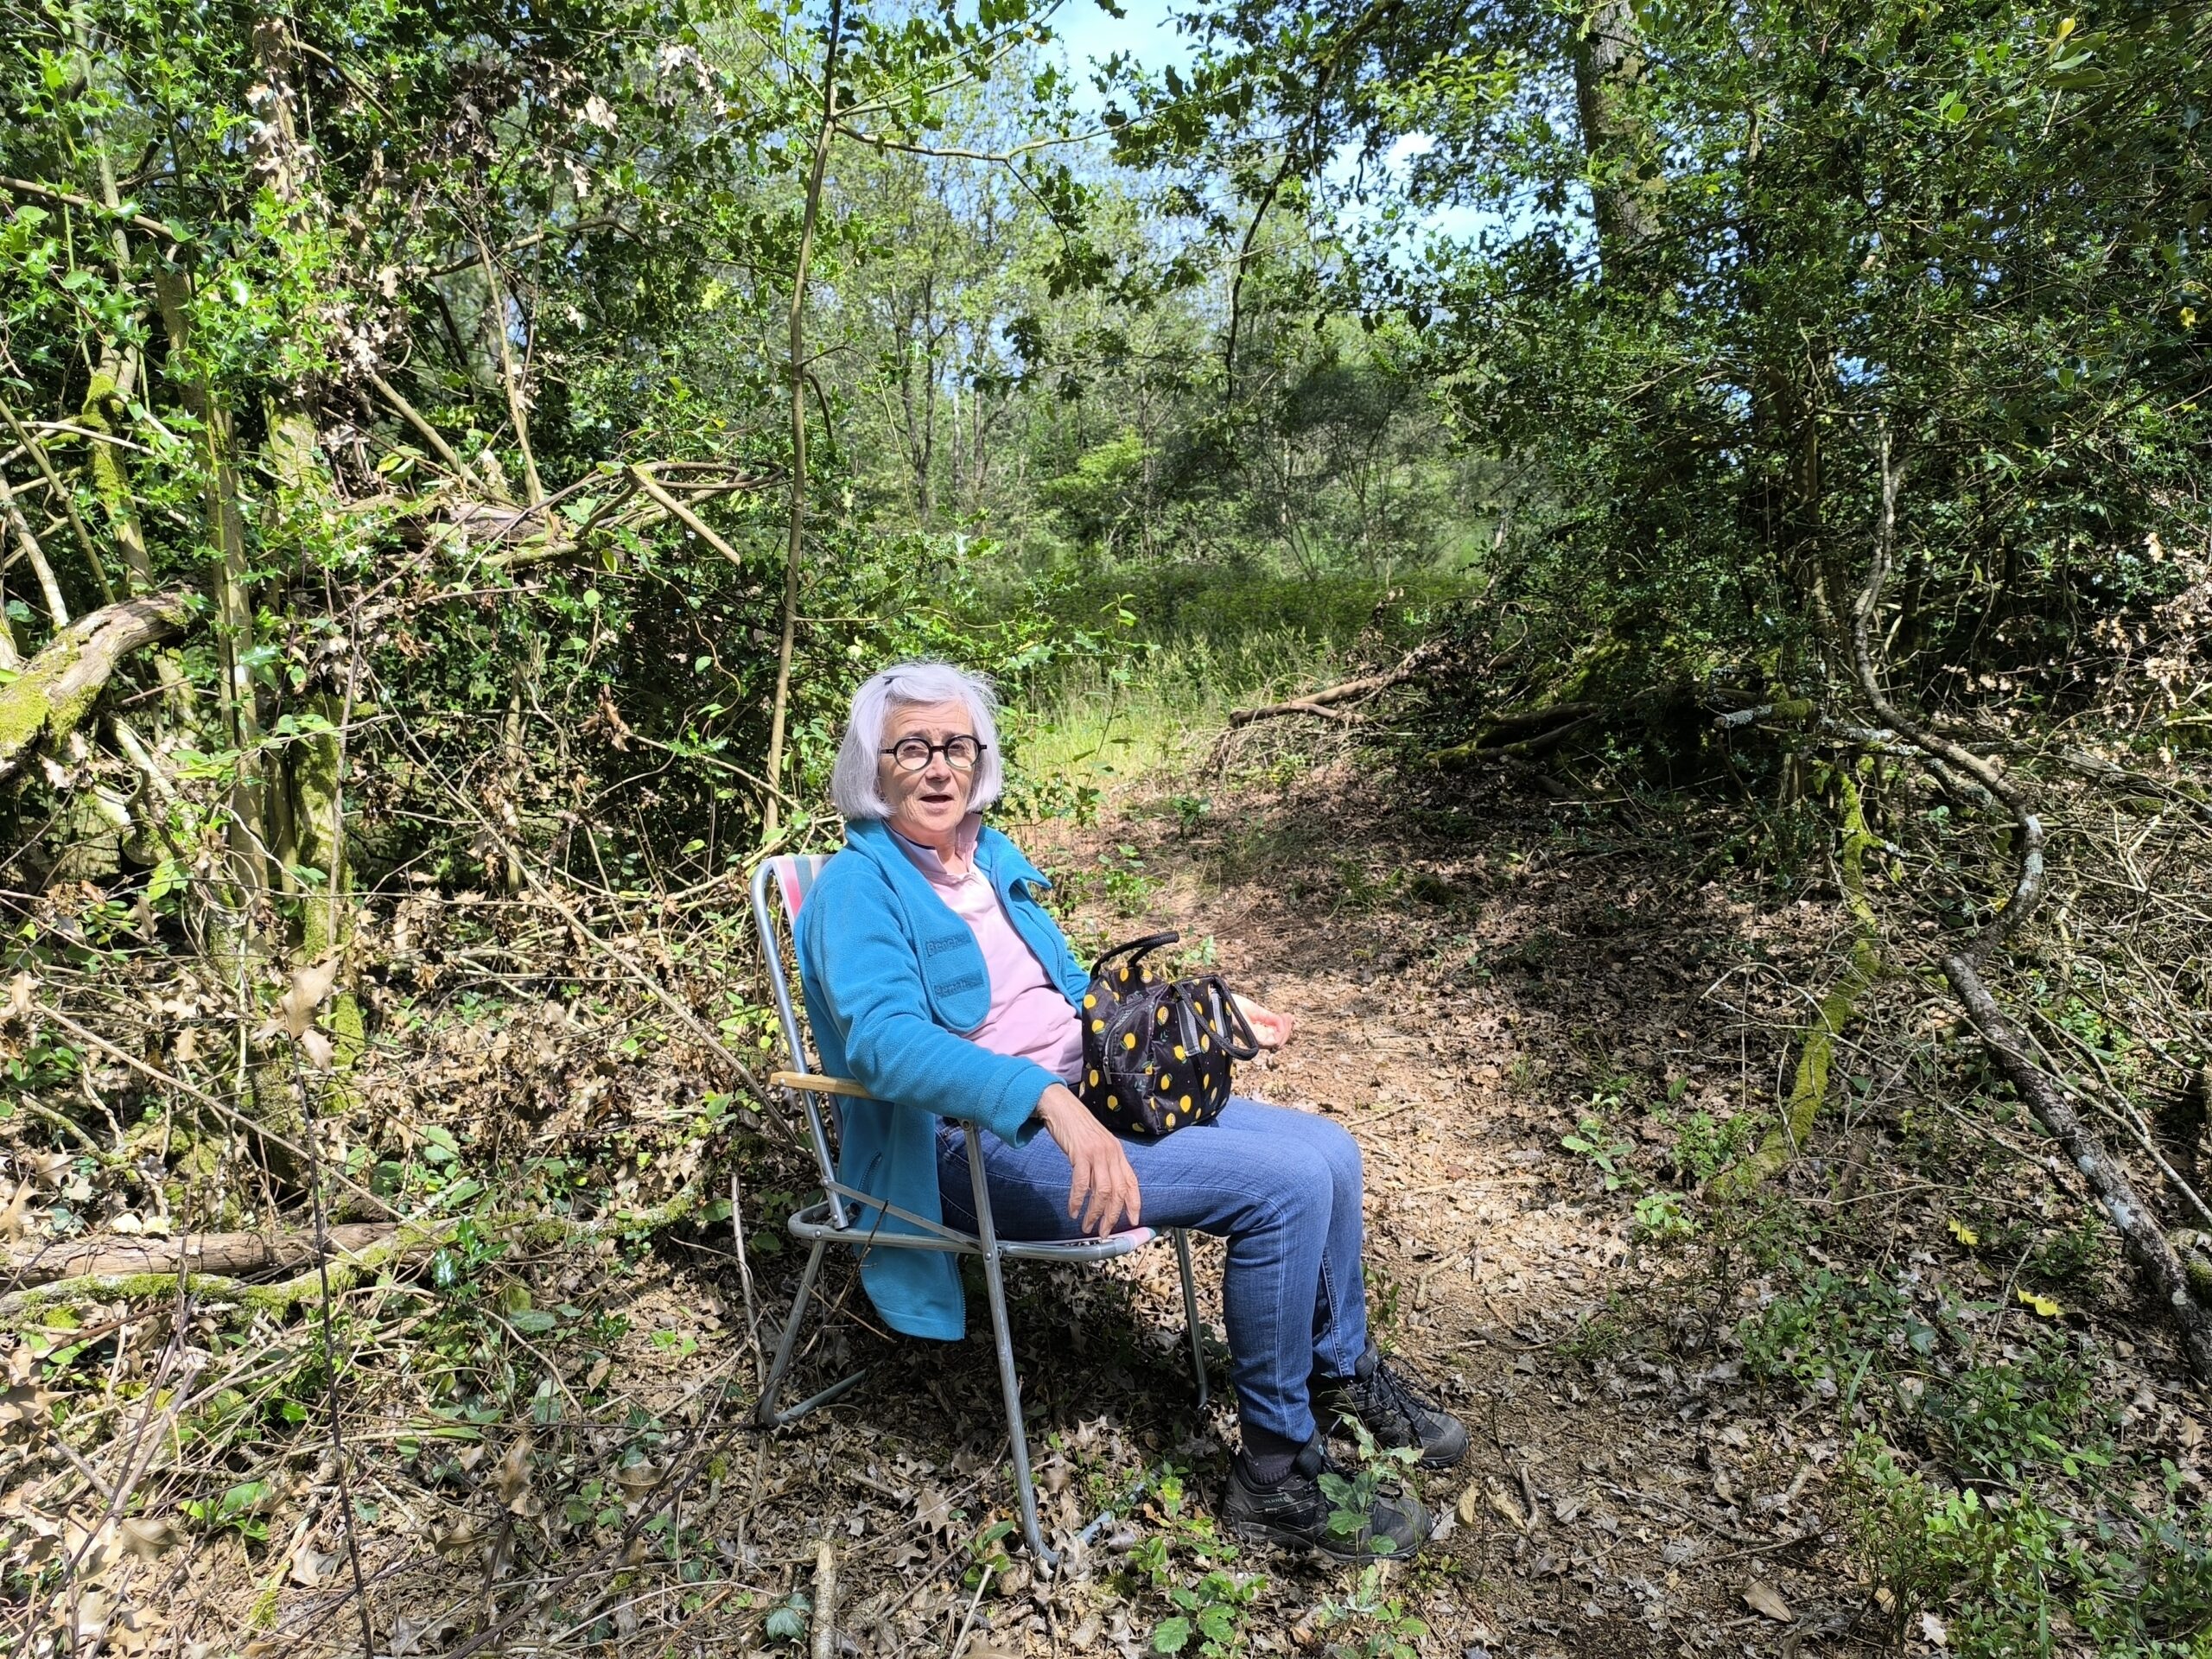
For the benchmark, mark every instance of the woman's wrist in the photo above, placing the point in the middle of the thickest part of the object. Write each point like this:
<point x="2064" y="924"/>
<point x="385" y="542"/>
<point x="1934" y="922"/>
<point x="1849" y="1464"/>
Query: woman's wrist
<point x="1055" y="1100"/>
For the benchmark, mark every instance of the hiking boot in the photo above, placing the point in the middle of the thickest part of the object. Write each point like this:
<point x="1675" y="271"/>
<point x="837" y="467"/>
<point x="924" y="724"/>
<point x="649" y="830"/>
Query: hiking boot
<point x="1295" y="1511"/>
<point x="1396" y="1409"/>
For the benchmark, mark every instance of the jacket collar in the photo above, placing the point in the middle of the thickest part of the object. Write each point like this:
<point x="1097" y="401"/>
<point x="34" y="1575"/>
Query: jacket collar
<point x="995" y="855"/>
<point x="932" y="861"/>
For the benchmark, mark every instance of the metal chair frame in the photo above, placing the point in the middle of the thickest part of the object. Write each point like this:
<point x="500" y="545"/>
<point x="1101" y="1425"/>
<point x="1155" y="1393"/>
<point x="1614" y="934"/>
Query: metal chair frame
<point x="831" y="1221"/>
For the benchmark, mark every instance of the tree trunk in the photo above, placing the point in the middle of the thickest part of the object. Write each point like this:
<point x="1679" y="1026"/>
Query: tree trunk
<point x="1608" y="52"/>
<point x="796" y="345"/>
<point x="233" y="608"/>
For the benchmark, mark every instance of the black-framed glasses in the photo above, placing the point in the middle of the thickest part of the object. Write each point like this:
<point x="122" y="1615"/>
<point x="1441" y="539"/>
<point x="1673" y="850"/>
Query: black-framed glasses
<point x="914" y="753"/>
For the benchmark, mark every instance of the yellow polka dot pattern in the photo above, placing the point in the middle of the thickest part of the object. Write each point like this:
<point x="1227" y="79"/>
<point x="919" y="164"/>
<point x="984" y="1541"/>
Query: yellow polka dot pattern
<point x="1152" y="1062"/>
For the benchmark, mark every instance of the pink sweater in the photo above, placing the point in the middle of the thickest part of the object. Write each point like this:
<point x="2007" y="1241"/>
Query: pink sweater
<point x="1030" y="1016"/>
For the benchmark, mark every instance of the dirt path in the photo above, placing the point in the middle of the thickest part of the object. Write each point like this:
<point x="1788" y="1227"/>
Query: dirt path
<point x="1462" y="994"/>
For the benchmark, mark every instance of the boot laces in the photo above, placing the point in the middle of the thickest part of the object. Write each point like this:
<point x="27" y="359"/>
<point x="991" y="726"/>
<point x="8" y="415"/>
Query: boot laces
<point x="1404" y="1395"/>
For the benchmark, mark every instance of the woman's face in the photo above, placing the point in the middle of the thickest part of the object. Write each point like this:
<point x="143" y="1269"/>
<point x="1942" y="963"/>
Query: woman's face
<point x="926" y="806"/>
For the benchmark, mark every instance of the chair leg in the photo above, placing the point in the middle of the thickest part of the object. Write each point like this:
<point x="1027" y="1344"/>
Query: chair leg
<point x="765" y="1412"/>
<point x="1191" y="1312"/>
<point x="1017" y="1437"/>
<point x="1009" y="1383"/>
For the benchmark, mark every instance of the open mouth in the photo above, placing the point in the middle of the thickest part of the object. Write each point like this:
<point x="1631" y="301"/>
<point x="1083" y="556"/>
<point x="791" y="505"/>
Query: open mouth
<point x="937" y="797"/>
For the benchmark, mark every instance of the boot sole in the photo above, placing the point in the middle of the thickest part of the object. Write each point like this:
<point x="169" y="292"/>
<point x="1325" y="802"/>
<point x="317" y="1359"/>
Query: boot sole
<point x="1259" y="1532"/>
<point x="1433" y="1463"/>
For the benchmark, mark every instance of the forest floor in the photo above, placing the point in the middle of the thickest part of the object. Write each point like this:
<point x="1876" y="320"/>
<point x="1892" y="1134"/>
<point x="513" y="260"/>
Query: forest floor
<point x="1466" y="984"/>
<point x="1546" y="1022"/>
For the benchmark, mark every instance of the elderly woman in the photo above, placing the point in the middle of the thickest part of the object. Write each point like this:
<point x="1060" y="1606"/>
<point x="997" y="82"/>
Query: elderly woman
<point x="935" y="978"/>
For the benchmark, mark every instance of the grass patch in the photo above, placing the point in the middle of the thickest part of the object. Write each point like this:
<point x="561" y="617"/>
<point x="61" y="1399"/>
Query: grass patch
<point x="1154" y="710"/>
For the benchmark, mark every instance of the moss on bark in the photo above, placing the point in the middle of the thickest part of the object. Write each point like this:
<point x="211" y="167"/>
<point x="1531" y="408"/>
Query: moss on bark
<point x="58" y="688"/>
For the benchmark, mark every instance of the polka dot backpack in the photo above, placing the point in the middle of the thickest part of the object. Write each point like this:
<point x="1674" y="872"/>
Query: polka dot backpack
<point x="1156" y="1051"/>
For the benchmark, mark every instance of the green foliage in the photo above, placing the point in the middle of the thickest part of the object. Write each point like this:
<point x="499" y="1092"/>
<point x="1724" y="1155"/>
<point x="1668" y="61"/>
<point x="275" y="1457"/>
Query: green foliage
<point x="788" y="1623"/>
<point x="1121" y="873"/>
<point x="1661" y="1217"/>
<point x="1375" y="1468"/>
<point x="1995" y="1489"/>
<point x="1704" y="1146"/>
<point x="1190" y="811"/>
<point x="1595" y="1140"/>
<point x="1215" y="1610"/>
<point x="1374" y="1622"/>
<point x="2015" y="1571"/>
<point x="1699" y="291"/>
<point x="1193" y="1568"/>
<point x="238" y="1508"/>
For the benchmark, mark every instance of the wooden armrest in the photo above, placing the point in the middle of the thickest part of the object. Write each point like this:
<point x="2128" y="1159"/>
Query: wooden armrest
<point x="814" y="1083"/>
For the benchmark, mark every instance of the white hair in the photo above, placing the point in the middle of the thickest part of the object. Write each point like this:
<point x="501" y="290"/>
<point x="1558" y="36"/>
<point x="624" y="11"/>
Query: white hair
<point x="852" y="784"/>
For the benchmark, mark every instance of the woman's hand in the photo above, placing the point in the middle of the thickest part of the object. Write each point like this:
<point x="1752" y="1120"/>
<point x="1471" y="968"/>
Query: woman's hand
<point x="1272" y="1029"/>
<point x="1104" y="1187"/>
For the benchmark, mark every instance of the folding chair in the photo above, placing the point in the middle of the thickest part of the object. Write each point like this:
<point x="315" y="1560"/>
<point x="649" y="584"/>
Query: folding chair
<point x="831" y="1221"/>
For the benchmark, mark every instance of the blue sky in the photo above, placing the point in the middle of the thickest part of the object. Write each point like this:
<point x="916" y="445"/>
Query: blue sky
<point x="1086" y="34"/>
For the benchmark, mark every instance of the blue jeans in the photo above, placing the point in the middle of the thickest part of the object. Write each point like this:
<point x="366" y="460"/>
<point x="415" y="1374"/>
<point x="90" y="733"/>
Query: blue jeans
<point x="1283" y="1186"/>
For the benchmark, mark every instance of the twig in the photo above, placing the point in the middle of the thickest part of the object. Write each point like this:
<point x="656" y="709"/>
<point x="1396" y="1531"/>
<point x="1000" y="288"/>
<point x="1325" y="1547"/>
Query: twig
<point x="1755" y="1549"/>
<point x="650" y="1505"/>
<point x="1688" y="1513"/>
<point x="667" y="998"/>
<point x="1321" y="702"/>
<point x="200" y="1094"/>
<point x="330" y="1361"/>
<point x="960" y="1640"/>
<point x="825" y="1601"/>
<point x="428" y="432"/>
<point x="795" y="328"/>
<point x="744" y="1279"/>
<point x="67" y="499"/>
<point x="509" y="379"/>
<point x="2134" y="1130"/>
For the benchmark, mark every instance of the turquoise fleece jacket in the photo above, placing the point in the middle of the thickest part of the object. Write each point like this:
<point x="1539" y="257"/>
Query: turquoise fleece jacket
<point x="892" y="980"/>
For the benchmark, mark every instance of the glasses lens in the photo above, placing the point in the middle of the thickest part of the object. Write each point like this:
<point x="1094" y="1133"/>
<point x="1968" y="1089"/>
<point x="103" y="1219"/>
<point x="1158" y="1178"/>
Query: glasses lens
<point x="912" y="754"/>
<point x="960" y="753"/>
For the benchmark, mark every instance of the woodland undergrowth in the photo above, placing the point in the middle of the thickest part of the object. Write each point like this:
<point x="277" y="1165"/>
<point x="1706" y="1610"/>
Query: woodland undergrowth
<point x="543" y="1366"/>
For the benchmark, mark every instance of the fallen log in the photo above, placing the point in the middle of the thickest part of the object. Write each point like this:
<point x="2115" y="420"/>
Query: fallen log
<point x="1492" y="744"/>
<point x="1501" y="729"/>
<point x="2130" y="1218"/>
<point x="49" y="699"/>
<point x="203" y="1253"/>
<point x="396" y="1245"/>
<point x="1322" y="702"/>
